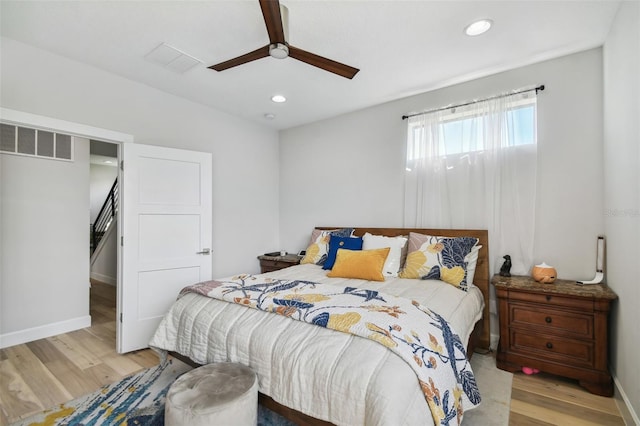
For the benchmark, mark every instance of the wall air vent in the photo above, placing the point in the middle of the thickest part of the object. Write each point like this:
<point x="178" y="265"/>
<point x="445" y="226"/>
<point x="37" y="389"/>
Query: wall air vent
<point x="35" y="143"/>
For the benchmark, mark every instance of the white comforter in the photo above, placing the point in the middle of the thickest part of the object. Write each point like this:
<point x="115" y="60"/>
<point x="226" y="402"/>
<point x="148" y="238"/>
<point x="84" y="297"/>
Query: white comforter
<point x="333" y="376"/>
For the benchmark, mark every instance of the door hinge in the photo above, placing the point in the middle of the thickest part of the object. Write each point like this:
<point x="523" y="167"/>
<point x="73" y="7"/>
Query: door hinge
<point x="120" y="316"/>
<point x="122" y="165"/>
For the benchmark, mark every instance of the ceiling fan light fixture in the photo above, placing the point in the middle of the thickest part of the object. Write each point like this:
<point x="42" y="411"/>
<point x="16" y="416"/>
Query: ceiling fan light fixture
<point x="278" y="50"/>
<point x="478" y="27"/>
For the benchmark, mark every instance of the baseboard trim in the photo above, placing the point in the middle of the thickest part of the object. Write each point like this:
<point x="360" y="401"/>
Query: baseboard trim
<point x="624" y="405"/>
<point x="43" y="331"/>
<point x="104" y="278"/>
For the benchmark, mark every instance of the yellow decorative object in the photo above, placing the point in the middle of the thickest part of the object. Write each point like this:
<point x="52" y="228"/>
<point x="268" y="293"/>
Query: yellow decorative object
<point x="414" y="266"/>
<point x="360" y="264"/>
<point x="343" y="322"/>
<point x="312" y="254"/>
<point x="453" y="275"/>
<point x="306" y="298"/>
<point x="544" y="273"/>
<point x="381" y="336"/>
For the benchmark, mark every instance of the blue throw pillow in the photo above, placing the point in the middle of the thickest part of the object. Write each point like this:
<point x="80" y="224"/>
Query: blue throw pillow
<point x="335" y="243"/>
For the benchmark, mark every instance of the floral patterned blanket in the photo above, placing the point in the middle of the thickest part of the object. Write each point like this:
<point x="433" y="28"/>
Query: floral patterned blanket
<point x="418" y="335"/>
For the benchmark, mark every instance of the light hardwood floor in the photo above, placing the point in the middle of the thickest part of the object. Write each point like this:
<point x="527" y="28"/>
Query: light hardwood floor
<point x="544" y="399"/>
<point x="41" y="374"/>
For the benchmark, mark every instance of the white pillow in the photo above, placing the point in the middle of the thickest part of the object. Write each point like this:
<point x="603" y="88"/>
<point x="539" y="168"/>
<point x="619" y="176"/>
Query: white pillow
<point x="392" y="264"/>
<point x="472" y="259"/>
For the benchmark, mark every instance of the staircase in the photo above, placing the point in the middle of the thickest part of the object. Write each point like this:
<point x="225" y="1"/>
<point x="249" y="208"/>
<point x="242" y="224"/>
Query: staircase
<point x="106" y="216"/>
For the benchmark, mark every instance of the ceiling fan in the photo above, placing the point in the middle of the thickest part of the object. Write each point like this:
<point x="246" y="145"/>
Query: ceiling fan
<point x="279" y="48"/>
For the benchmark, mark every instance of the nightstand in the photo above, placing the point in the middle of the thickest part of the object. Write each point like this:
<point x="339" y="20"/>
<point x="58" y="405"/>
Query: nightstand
<point x="559" y="328"/>
<point x="274" y="263"/>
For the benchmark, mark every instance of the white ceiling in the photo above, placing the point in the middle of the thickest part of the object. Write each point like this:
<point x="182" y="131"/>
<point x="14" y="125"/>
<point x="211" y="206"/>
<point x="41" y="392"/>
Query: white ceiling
<point x="401" y="47"/>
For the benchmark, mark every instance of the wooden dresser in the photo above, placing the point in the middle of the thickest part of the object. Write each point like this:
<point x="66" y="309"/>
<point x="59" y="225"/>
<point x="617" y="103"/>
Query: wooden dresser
<point x="559" y="328"/>
<point x="274" y="263"/>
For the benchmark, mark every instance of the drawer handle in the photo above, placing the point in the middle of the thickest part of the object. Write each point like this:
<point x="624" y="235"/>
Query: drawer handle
<point x="548" y="320"/>
<point x="548" y="298"/>
<point x="549" y="345"/>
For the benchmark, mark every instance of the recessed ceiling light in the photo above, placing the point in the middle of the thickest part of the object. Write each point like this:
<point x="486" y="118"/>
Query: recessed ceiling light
<point x="478" y="27"/>
<point x="108" y="162"/>
<point x="278" y="98"/>
<point x="269" y="116"/>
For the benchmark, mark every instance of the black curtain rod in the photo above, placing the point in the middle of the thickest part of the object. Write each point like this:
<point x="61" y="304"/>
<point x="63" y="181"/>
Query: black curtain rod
<point x="537" y="89"/>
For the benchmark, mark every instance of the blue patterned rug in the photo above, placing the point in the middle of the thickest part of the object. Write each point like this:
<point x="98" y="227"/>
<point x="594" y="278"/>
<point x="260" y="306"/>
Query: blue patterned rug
<point x="135" y="400"/>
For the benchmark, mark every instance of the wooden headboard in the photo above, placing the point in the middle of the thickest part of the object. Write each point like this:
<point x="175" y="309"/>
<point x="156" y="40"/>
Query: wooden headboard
<point x="481" y="279"/>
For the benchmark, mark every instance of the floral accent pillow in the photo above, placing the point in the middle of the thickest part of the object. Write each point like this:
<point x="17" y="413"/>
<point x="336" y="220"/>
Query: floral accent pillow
<point x="438" y="258"/>
<point x="319" y="247"/>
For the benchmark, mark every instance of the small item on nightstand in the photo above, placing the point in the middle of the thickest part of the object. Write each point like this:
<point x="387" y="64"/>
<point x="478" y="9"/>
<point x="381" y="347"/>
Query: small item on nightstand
<point x="505" y="269"/>
<point x="599" y="263"/>
<point x="283" y="253"/>
<point x="544" y="273"/>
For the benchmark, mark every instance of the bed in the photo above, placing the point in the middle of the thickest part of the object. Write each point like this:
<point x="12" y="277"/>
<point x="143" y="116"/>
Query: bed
<point x="315" y="375"/>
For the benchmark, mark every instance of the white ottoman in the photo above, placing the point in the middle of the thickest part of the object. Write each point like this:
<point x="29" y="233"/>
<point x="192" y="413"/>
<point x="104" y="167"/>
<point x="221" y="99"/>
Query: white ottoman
<point x="224" y="393"/>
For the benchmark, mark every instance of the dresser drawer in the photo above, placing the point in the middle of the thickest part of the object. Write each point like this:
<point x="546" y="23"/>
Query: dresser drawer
<point x="274" y="264"/>
<point x="553" y="348"/>
<point x="551" y="321"/>
<point x="549" y="299"/>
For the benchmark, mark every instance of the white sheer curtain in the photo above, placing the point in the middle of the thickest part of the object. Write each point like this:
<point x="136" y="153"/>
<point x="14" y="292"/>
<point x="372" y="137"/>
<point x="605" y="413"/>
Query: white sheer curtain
<point x="474" y="167"/>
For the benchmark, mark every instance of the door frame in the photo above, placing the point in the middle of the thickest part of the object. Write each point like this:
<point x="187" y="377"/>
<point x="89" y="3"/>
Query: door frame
<point x="41" y="122"/>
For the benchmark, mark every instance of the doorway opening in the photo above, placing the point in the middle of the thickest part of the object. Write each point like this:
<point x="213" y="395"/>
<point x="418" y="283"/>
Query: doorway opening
<point x="104" y="203"/>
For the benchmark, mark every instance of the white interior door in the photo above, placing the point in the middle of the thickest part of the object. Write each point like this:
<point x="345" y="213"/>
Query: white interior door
<point x="165" y="235"/>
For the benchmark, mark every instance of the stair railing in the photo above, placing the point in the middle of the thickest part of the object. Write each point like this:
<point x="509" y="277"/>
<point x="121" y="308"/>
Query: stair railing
<point x="106" y="216"/>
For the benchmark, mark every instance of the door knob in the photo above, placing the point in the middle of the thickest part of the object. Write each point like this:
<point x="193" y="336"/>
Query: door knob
<point x="204" y="251"/>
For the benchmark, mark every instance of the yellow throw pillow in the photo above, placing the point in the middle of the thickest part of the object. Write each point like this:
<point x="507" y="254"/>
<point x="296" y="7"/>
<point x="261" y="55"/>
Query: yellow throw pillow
<point x="360" y="264"/>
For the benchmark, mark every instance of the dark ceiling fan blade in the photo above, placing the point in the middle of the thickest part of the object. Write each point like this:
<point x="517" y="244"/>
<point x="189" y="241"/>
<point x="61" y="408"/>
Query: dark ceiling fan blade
<point x="263" y="52"/>
<point x="323" y="63"/>
<point x="273" y="20"/>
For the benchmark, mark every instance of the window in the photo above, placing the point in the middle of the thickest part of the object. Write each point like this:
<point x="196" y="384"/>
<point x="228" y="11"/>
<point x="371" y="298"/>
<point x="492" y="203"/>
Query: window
<point x="474" y="167"/>
<point x="461" y="130"/>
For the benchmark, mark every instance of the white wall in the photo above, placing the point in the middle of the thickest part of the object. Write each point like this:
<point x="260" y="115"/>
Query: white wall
<point x="245" y="155"/>
<point x="349" y="170"/>
<point x="622" y="194"/>
<point x="101" y="178"/>
<point x="44" y="283"/>
<point x="245" y="167"/>
<point x="104" y="260"/>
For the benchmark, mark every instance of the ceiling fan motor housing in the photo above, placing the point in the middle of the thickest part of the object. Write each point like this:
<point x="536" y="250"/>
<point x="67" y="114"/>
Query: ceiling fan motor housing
<point x="278" y="50"/>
